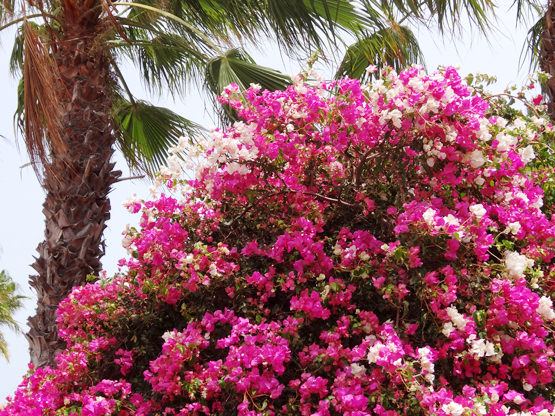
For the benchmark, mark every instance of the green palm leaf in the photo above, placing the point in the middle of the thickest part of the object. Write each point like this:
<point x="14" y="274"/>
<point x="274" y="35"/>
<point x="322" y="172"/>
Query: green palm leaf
<point x="9" y="303"/>
<point x="531" y="46"/>
<point x="393" y="46"/>
<point x="145" y="132"/>
<point x="19" y="115"/>
<point x="16" y="57"/>
<point x="523" y="7"/>
<point x="450" y="13"/>
<point x="4" y="347"/>
<point x="164" y="59"/>
<point x="340" y="13"/>
<point x="293" y="23"/>
<point x="302" y="23"/>
<point x="237" y="67"/>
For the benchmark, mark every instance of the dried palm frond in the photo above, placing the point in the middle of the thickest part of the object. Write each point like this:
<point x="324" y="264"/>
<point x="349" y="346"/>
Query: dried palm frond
<point x="42" y="106"/>
<point x="6" y="10"/>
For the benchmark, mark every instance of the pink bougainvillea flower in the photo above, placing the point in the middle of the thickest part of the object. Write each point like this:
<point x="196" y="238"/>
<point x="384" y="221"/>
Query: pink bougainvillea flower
<point x="343" y="249"/>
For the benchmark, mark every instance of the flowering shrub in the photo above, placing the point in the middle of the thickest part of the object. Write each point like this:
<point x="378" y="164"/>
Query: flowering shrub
<point x="346" y="249"/>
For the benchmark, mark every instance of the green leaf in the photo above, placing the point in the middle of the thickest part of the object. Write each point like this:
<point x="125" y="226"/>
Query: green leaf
<point x="450" y="13"/>
<point x="339" y="12"/>
<point x="145" y="132"/>
<point x="523" y="7"/>
<point x="9" y="303"/>
<point x="164" y="59"/>
<point x="294" y="24"/>
<point x="16" y="57"/>
<point x="238" y="67"/>
<point x="391" y="46"/>
<point x="531" y="46"/>
<point x="19" y="115"/>
<point x="509" y="245"/>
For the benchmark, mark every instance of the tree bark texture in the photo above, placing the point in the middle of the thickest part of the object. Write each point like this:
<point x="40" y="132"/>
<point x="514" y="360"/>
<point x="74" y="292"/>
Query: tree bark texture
<point x="547" y="57"/>
<point x="78" y="181"/>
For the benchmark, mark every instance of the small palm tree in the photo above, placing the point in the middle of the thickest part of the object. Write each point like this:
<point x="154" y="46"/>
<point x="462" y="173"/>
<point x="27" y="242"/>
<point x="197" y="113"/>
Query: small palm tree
<point x="9" y="303"/>
<point x="390" y="41"/>
<point x="539" y="46"/>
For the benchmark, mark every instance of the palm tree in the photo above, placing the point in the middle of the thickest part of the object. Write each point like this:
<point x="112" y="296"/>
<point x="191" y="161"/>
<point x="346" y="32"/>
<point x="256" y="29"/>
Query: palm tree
<point x="9" y="303"/>
<point x="391" y="27"/>
<point x="76" y="107"/>
<point x="539" y="45"/>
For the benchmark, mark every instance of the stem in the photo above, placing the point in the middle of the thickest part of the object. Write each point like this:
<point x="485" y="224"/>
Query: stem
<point x="30" y="16"/>
<point x="522" y="100"/>
<point x="365" y="158"/>
<point x="125" y="86"/>
<point x="131" y="178"/>
<point x="327" y="198"/>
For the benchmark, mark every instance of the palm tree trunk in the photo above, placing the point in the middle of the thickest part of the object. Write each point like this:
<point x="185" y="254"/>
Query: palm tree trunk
<point x="77" y="182"/>
<point x="547" y="57"/>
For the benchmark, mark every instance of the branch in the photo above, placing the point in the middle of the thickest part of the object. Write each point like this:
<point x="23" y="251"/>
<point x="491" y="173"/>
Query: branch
<point x="26" y="17"/>
<point x="130" y="178"/>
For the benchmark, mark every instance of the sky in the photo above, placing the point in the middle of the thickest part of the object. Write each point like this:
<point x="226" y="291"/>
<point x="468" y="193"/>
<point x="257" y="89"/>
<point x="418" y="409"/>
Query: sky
<point x="21" y="220"/>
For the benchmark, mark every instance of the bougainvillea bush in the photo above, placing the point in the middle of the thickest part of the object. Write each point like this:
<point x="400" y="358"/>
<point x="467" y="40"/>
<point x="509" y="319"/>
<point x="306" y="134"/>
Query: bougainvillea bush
<point x="345" y="249"/>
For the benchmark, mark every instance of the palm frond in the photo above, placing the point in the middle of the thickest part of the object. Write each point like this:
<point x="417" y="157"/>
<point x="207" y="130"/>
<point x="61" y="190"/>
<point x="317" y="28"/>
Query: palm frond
<point x="16" y="57"/>
<point x="43" y="31"/>
<point x="9" y="303"/>
<point x="211" y="17"/>
<point x="161" y="20"/>
<point x="524" y="7"/>
<point x="164" y="59"/>
<point x="449" y="14"/>
<point x="4" y="347"/>
<point x="294" y="24"/>
<point x="19" y="115"/>
<point x="479" y="13"/>
<point x="237" y="66"/>
<point x="338" y="12"/>
<point x="302" y="23"/>
<point x="531" y="47"/>
<point x="392" y="46"/>
<point x="145" y="132"/>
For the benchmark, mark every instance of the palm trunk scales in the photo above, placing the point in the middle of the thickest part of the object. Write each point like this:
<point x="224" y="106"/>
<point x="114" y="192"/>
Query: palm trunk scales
<point x="77" y="182"/>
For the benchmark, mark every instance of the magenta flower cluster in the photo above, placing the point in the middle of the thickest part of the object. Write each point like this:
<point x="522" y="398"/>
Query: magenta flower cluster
<point x="344" y="249"/>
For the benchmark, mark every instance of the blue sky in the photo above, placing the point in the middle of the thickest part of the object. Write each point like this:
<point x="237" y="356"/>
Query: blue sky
<point x="21" y="220"/>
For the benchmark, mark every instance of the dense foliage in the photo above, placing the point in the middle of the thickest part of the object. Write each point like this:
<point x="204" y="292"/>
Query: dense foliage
<point x="10" y="302"/>
<point x="347" y="249"/>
